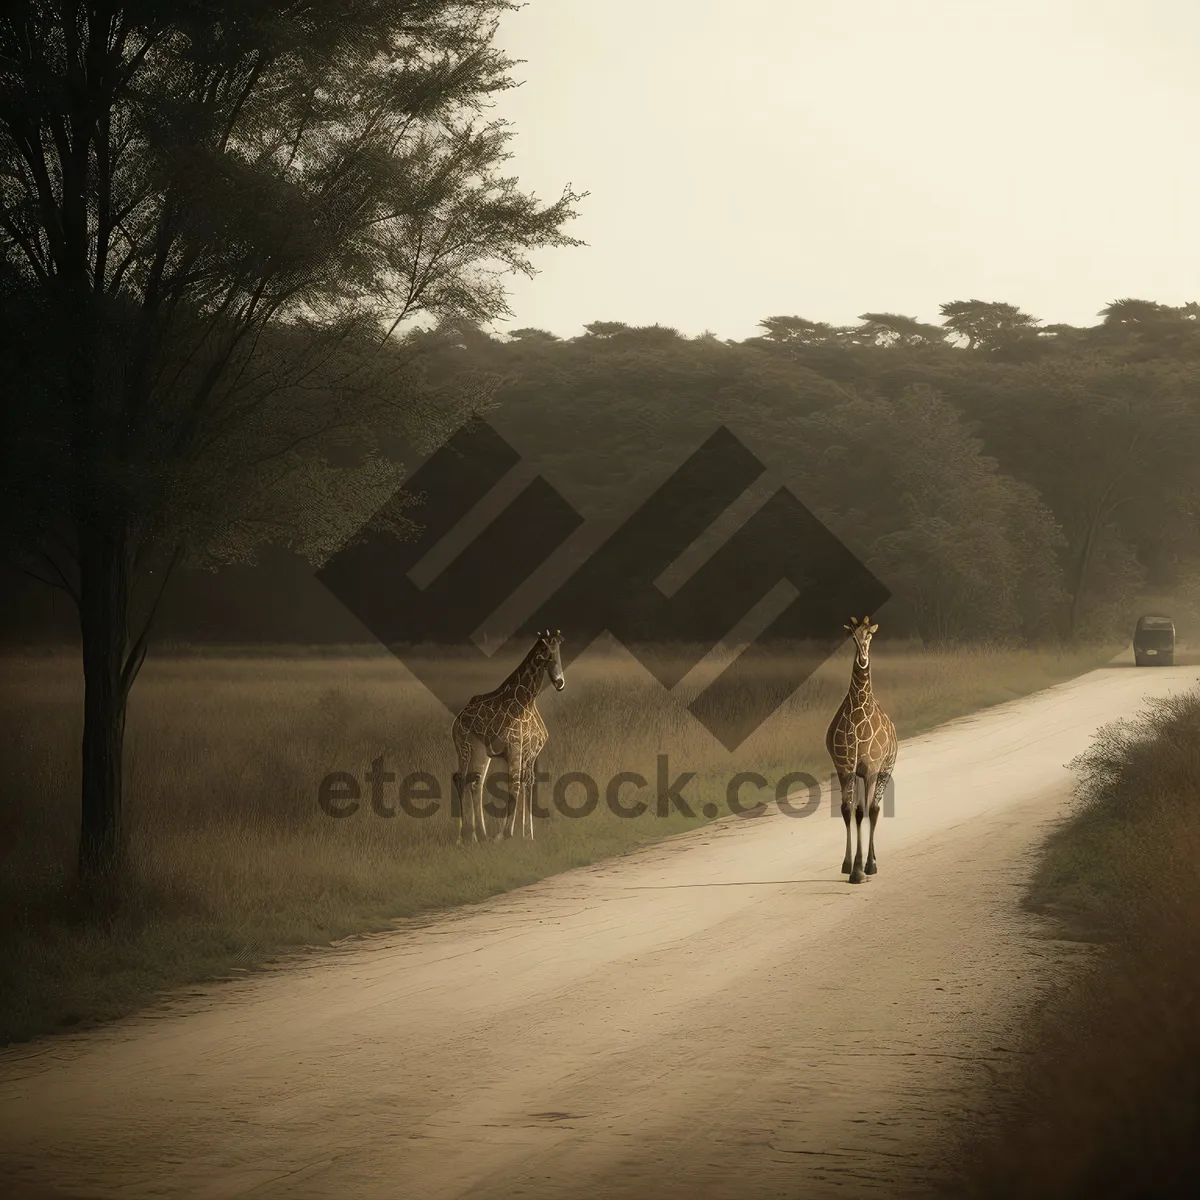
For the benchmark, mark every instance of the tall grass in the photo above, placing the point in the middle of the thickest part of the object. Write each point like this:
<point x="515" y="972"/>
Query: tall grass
<point x="231" y="857"/>
<point x="1109" y="1101"/>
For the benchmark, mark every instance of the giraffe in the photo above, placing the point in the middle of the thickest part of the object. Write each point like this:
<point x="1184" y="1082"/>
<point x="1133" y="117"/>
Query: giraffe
<point x="861" y="741"/>
<point x="506" y="722"/>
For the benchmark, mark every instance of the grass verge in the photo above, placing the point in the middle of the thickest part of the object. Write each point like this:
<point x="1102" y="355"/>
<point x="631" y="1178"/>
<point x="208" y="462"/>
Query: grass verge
<point x="1108" y="1102"/>
<point x="232" y="860"/>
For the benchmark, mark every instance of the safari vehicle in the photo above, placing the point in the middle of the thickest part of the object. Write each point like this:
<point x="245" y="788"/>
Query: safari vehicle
<point x="1154" y="642"/>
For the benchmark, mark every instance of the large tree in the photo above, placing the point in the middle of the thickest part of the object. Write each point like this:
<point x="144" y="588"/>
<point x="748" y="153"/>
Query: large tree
<point x="1145" y="329"/>
<point x="892" y="329"/>
<point x="987" y="324"/>
<point x="213" y="214"/>
<point x="799" y="331"/>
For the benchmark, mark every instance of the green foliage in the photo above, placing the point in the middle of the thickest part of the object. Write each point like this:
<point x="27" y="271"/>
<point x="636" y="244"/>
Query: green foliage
<point x="1000" y="494"/>
<point x="889" y="329"/>
<point x="213" y="216"/>
<point x="798" y="331"/>
<point x="986" y="325"/>
<point x="969" y="551"/>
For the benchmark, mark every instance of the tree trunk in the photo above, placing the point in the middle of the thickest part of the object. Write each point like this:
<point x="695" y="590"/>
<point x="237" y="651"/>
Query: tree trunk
<point x="103" y="621"/>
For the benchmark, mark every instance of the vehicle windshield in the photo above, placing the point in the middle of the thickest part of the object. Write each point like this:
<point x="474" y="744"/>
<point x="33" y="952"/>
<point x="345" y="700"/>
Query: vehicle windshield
<point x="1154" y="637"/>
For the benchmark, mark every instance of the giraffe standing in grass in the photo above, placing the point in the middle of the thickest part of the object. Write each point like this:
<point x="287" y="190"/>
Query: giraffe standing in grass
<point x="862" y="742"/>
<point x="506" y="724"/>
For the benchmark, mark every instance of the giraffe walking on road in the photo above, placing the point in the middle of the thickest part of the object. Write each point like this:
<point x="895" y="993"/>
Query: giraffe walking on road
<point x="862" y="742"/>
<point x="506" y="723"/>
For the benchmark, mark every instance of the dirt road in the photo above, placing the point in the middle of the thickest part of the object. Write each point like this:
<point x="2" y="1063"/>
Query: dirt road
<point x="717" y="1016"/>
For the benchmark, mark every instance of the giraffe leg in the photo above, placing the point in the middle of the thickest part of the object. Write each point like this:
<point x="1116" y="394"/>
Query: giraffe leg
<point x="530" y="787"/>
<point x="461" y="780"/>
<point x="515" y="782"/>
<point x="876" y="794"/>
<point x="470" y="784"/>
<point x="477" y="799"/>
<point x="847" y="782"/>
<point x="527" y="803"/>
<point x="857" y="874"/>
<point x="462" y="750"/>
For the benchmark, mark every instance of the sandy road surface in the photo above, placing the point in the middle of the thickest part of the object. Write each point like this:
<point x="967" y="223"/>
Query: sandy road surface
<point x="718" y="1016"/>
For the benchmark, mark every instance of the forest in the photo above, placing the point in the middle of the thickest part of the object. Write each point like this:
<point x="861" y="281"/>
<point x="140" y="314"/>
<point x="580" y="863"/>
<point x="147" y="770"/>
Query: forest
<point x="1008" y="480"/>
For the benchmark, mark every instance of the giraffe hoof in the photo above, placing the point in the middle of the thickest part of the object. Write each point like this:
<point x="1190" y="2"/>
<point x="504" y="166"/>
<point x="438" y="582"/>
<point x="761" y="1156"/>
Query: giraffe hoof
<point x="872" y="868"/>
<point x="857" y="876"/>
<point x="846" y="866"/>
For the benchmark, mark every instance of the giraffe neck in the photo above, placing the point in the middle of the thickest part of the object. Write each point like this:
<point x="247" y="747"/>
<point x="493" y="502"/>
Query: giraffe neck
<point x="529" y="677"/>
<point x="860" y="680"/>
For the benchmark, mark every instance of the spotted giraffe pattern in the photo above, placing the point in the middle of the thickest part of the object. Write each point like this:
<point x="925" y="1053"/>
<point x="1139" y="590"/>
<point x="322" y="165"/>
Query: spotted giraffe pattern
<point x="862" y="742"/>
<point x="505" y="723"/>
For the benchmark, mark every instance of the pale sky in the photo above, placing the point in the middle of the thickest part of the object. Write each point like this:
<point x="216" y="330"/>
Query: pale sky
<point x="829" y="157"/>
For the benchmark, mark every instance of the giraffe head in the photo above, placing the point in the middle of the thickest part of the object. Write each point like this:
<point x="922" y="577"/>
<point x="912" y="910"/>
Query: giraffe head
<point x="547" y="648"/>
<point x="862" y="632"/>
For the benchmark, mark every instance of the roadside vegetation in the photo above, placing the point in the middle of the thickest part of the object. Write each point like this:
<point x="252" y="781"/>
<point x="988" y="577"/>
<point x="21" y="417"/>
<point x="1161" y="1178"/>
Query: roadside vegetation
<point x="232" y="859"/>
<point x="1108" y="1100"/>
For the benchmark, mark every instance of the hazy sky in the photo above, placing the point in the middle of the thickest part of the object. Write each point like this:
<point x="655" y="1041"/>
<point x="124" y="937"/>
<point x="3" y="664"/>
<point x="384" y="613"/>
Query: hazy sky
<point x="827" y="157"/>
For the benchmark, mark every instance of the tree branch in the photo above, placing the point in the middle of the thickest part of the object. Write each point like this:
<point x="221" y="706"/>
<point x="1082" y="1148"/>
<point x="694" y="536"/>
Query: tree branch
<point x="137" y="655"/>
<point x="62" y="583"/>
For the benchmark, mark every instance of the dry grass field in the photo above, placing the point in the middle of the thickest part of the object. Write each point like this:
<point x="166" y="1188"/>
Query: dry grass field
<point x="232" y="859"/>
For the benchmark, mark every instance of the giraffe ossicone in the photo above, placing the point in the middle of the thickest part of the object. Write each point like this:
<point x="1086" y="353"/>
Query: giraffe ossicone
<point x="505" y="723"/>
<point x="862" y="743"/>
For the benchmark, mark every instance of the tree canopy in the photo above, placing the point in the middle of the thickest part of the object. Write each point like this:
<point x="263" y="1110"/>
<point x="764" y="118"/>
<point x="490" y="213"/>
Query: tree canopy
<point x="999" y="494"/>
<point x="214" y="215"/>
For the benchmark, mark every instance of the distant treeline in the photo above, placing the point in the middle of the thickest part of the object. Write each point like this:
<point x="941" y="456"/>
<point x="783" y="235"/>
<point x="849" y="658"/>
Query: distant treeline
<point x="1005" y="479"/>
